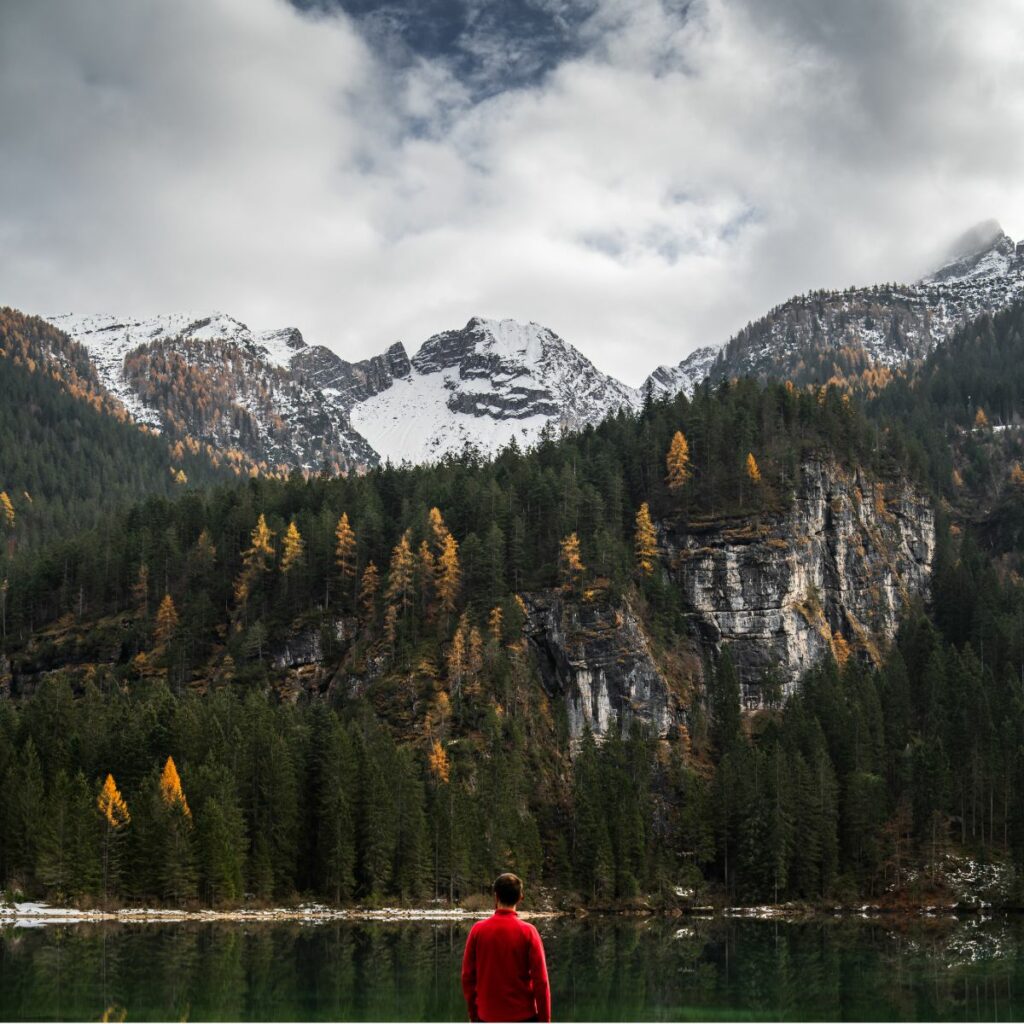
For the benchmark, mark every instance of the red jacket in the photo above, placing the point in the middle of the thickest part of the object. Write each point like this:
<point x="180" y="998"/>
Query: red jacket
<point x="504" y="976"/>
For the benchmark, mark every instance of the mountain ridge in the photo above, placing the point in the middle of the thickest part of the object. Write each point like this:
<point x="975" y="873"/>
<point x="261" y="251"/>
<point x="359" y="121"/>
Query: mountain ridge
<point x="284" y="404"/>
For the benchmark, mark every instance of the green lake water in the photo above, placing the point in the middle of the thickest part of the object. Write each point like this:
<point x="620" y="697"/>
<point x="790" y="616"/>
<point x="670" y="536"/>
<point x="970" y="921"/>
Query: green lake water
<point x="601" y="969"/>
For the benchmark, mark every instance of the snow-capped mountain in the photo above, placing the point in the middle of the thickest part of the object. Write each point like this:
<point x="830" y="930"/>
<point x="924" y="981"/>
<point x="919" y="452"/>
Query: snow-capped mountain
<point x="490" y="382"/>
<point x="281" y="402"/>
<point x="271" y="400"/>
<point x="211" y="378"/>
<point x="667" y="381"/>
<point x="865" y="333"/>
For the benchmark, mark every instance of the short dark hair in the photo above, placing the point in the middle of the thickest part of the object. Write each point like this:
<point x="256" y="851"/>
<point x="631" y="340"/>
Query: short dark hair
<point x="508" y="888"/>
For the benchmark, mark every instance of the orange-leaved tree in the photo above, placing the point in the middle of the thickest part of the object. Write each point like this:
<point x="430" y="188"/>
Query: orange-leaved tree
<point x="171" y="792"/>
<point x="114" y="811"/>
<point x="678" y="462"/>
<point x="645" y="541"/>
<point x="569" y="561"/>
<point x="345" y="549"/>
<point x="166" y="622"/>
<point x="292" y="547"/>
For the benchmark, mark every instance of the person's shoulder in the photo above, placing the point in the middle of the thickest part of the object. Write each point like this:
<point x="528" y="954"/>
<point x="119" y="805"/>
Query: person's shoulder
<point x="529" y="929"/>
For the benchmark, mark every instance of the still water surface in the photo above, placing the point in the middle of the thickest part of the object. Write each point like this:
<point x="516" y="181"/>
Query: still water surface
<point x="601" y="969"/>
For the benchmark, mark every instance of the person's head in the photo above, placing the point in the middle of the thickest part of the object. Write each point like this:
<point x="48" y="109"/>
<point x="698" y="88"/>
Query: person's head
<point x="508" y="890"/>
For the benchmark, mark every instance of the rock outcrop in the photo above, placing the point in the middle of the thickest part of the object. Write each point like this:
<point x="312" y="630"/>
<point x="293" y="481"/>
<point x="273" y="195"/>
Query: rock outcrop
<point x="781" y="589"/>
<point x="596" y="658"/>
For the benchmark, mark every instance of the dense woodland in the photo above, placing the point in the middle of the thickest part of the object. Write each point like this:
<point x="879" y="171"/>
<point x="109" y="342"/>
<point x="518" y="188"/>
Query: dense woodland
<point x="151" y="751"/>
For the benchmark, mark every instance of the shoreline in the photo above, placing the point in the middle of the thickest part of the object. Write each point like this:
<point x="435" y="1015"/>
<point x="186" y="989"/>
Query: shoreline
<point x="36" y="914"/>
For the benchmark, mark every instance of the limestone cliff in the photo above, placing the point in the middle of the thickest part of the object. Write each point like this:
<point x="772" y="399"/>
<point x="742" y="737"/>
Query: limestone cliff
<point x="597" y="659"/>
<point x="842" y="559"/>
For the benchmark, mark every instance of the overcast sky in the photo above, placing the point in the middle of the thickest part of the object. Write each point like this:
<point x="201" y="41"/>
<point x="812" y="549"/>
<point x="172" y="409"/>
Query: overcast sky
<point x="642" y="176"/>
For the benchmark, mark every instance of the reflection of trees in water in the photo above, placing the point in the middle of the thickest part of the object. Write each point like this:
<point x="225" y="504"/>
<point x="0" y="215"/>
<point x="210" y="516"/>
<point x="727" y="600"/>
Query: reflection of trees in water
<point x="600" y="967"/>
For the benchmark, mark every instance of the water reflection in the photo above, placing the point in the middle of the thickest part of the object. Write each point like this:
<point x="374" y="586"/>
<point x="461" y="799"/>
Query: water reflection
<point x="610" y="969"/>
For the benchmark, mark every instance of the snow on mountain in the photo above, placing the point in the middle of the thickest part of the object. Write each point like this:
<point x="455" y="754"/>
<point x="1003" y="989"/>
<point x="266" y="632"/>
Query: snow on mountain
<point x="865" y="333"/>
<point x="282" y="402"/>
<point x="208" y="376"/>
<point x="484" y="385"/>
<point x="667" y="381"/>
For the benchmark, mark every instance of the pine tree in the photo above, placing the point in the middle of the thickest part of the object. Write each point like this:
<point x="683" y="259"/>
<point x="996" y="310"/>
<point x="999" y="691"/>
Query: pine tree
<point x="140" y="590"/>
<point x="166" y="622"/>
<point x="291" y="548"/>
<point x="725" y="703"/>
<point x="400" y="573"/>
<point x="645" y="541"/>
<point x="570" y="563"/>
<point x="335" y="813"/>
<point x="449" y="574"/>
<point x="678" y="462"/>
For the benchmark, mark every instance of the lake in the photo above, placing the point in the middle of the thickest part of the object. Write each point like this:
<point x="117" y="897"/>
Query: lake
<point x="601" y="969"/>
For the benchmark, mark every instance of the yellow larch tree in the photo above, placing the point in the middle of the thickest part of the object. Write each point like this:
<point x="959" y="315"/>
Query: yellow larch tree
<point x="678" y="462"/>
<point x="166" y="622"/>
<point x="980" y="419"/>
<point x="170" y="788"/>
<point x="345" y="548"/>
<point x="400" y="573"/>
<point x="114" y="811"/>
<point x="292" y="547"/>
<point x="495" y="622"/>
<point x="569" y="560"/>
<point x="7" y="510"/>
<point x="752" y="470"/>
<point x="475" y="653"/>
<point x="1017" y="475"/>
<point x="645" y="541"/>
<point x="437" y="761"/>
<point x="255" y="559"/>
<point x="449" y="574"/>
<point x="112" y="805"/>
<point x="457" y="656"/>
<point x="368" y="588"/>
<point x="391" y="627"/>
<point x="438" y="530"/>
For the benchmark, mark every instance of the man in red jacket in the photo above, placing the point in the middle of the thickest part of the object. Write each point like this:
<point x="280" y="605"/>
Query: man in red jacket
<point x="504" y="976"/>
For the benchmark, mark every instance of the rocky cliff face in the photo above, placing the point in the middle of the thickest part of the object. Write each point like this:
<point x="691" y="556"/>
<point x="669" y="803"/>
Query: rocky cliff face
<point x="840" y="562"/>
<point x="597" y="659"/>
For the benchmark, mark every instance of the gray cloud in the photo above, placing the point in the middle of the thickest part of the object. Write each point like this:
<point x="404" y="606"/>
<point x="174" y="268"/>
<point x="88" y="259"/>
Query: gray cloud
<point x="679" y="171"/>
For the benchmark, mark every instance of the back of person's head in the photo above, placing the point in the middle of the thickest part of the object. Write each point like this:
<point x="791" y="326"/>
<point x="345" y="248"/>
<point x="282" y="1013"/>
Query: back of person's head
<point x="509" y="889"/>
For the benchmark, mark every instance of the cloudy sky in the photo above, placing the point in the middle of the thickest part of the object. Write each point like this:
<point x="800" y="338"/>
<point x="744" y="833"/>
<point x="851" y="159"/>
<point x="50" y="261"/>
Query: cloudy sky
<point x="642" y="176"/>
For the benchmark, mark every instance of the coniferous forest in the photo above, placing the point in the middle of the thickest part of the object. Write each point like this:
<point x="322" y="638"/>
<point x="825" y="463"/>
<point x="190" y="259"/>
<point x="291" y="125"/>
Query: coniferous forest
<point x="155" y="746"/>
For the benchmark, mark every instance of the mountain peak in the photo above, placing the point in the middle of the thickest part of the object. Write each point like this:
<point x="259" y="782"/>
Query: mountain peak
<point x="982" y="251"/>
